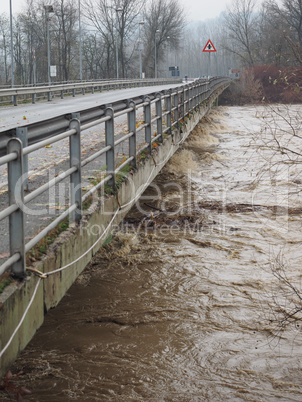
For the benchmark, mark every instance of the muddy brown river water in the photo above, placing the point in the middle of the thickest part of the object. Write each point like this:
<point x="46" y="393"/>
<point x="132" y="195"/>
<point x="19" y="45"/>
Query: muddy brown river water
<point x="198" y="296"/>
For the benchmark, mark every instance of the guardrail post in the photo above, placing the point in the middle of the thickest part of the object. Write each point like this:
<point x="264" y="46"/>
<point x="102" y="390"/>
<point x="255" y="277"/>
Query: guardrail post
<point x="110" y="155"/>
<point x="21" y="133"/>
<point x="187" y="93"/>
<point x="147" y="113"/>
<point x="169" y="107"/>
<point x="181" y="104"/>
<point x="190" y="97"/>
<point x="159" y="114"/>
<point x="14" y="99"/>
<point x="16" y="196"/>
<point x="207" y="90"/>
<point x="176" y="107"/>
<point x="194" y="97"/>
<point x="197" y="96"/>
<point x="73" y="92"/>
<point x="62" y="94"/>
<point x="185" y="101"/>
<point x="199" y="88"/>
<point x="33" y="98"/>
<point x="76" y="116"/>
<point x="187" y="97"/>
<point x="202" y="89"/>
<point x="75" y="161"/>
<point x="132" y="129"/>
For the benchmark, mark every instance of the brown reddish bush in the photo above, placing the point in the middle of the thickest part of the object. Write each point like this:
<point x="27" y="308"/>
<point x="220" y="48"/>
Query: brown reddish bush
<point x="279" y="84"/>
<point x="266" y="83"/>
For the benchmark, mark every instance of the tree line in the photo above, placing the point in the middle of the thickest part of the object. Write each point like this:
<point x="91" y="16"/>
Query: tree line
<point x="109" y="29"/>
<point x="246" y="35"/>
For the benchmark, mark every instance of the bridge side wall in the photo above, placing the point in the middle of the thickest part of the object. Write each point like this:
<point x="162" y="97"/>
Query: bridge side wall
<point x="72" y="244"/>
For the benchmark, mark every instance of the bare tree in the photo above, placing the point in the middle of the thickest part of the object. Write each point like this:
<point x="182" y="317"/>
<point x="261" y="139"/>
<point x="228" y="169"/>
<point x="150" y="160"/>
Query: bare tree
<point x="19" y="54"/>
<point x="32" y="23"/>
<point x="288" y="19"/>
<point x="166" y="17"/>
<point x="95" y="54"/>
<point x="280" y="146"/>
<point x="272" y="47"/>
<point x="65" y="32"/>
<point x="292" y="12"/>
<point x="4" y="46"/>
<point x="116" y="29"/>
<point x="283" y="304"/>
<point x="241" y="22"/>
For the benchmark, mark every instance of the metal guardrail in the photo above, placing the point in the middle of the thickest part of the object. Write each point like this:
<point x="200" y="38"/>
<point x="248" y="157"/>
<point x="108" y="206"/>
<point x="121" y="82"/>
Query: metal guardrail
<point x="11" y="94"/>
<point x="179" y="102"/>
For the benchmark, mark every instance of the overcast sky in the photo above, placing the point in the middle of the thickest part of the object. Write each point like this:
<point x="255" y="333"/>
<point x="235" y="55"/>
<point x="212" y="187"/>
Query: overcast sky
<point x="196" y="10"/>
<point x="199" y="10"/>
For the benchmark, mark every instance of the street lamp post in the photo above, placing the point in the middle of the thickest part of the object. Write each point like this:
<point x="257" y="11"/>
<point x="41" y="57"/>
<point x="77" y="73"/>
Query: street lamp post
<point x="80" y="40"/>
<point x="117" y="10"/>
<point x="155" y="54"/>
<point x="12" y="43"/>
<point x="168" y="51"/>
<point x="48" y="9"/>
<point x="140" y="48"/>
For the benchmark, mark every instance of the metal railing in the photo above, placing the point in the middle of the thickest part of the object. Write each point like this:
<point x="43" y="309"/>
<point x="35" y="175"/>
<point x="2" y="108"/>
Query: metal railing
<point x="179" y="103"/>
<point x="11" y="95"/>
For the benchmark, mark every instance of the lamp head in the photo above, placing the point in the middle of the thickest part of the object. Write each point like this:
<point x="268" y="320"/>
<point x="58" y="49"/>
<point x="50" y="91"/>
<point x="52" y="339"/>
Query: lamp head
<point x="49" y="8"/>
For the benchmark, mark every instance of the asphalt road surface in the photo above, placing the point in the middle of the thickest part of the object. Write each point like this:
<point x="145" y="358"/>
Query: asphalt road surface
<point x="21" y="115"/>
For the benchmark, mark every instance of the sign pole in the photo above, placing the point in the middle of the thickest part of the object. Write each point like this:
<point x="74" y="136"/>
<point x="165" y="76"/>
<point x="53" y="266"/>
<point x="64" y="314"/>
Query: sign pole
<point x="209" y="48"/>
<point x="34" y="67"/>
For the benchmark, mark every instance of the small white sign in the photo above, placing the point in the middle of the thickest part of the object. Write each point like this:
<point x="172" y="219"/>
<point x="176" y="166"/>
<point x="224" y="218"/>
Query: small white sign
<point x="53" y="71"/>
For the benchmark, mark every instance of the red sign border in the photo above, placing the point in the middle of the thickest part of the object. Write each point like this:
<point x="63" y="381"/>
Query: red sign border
<point x="205" y="48"/>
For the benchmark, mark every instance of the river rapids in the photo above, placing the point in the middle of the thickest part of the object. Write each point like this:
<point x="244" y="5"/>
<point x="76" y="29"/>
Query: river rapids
<point x="198" y="295"/>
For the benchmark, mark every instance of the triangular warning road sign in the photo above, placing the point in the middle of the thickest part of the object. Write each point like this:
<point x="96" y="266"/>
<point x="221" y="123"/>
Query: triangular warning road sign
<point x="209" y="47"/>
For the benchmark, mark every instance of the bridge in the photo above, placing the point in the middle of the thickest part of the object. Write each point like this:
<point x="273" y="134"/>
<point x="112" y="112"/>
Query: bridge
<point x="158" y="120"/>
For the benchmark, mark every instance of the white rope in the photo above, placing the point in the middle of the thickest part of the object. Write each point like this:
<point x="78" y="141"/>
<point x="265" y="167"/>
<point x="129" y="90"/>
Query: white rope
<point x="87" y="251"/>
<point x="22" y="319"/>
